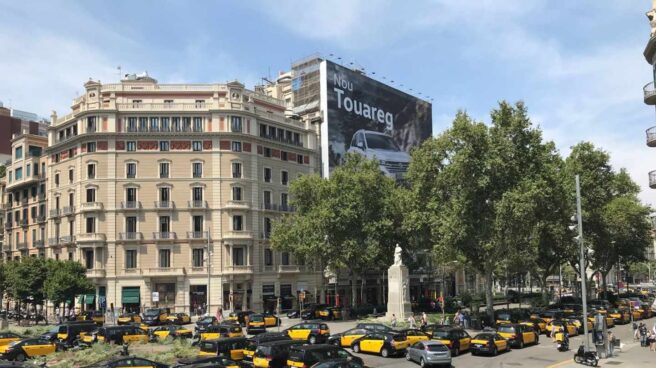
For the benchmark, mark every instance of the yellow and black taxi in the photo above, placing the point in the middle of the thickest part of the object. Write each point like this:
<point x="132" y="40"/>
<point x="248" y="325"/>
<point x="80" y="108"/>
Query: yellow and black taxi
<point x="173" y="331"/>
<point x="375" y="326"/>
<point x="179" y="318"/>
<point x="229" y="347"/>
<point x="273" y="353"/>
<point x="414" y="335"/>
<point x="489" y="343"/>
<point x="511" y="316"/>
<point x="203" y="323"/>
<point x="326" y="312"/>
<point x="313" y="311"/>
<point x="22" y="350"/>
<point x="240" y="317"/>
<point x="312" y="332"/>
<point x="578" y="322"/>
<point x="346" y="338"/>
<point x="155" y="316"/>
<point x="538" y="324"/>
<point x="222" y="330"/>
<point x="117" y="335"/>
<point x="309" y="355"/>
<point x="620" y="315"/>
<point x="127" y="362"/>
<point x="256" y="324"/>
<point x="256" y="340"/>
<point x="128" y="318"/>
<point x="518" y="335"/>
<point x="429" y="329"/>
<point x="6" y="338"/>
<point x="550" y="315"/>
<point x="67" y="332"/>
<point x="96" y="316"/>
<point x="207" y="362"/>
<point x="456" y="339"/>
<point x="558" y="325"/>
<point x="271" y="320"/>
<point x="385" y="344"/>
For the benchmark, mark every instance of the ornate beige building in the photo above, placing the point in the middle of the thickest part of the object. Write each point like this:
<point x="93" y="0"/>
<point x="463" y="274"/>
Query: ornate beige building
<point x="143" y="179"/>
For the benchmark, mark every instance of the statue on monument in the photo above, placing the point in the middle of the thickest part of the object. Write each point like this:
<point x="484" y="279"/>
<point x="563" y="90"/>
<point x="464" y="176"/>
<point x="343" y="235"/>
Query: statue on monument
<point x="397" y="255"/>
<point x="651" y="15"/>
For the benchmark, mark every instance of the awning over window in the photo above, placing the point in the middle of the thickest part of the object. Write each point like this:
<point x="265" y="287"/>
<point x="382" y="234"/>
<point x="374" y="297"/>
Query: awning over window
<point x="89" y="298"/>
<point x="80" y="299"/>
<point x="130" y="295"/>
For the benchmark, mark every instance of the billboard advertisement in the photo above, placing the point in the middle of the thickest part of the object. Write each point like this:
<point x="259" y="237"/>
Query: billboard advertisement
<point x="367" y="117"/>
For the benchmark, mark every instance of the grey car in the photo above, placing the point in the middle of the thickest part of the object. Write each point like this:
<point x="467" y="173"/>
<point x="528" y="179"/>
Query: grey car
<point x="429" y="353"/>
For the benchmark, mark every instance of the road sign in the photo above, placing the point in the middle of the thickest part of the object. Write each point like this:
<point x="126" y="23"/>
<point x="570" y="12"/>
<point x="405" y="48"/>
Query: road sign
<point x="155" y="296"/>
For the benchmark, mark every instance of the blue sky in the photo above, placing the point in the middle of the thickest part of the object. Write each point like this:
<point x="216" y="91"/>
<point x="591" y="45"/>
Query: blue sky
<point x="578" y="65"/>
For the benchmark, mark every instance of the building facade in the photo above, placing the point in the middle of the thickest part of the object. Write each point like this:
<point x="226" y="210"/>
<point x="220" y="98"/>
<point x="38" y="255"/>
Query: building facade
<point x="167" y="193"/>
<point x="15" y="122"/>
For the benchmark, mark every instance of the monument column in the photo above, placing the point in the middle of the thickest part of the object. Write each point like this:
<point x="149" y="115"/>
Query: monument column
<point x="398" y="300"/>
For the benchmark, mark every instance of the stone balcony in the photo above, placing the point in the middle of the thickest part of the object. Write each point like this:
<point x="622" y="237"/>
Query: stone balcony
<point x="131" y="205"/>
<point x="164" y="236"/>
<point x="96" y="273"/>
<point x="165" y="271"/>
<point x="164" y="205"/>
<point x="90" y="238"/>
<point x="68" y="210"/>
<point x="197" y="235"/>
<point x="91" y="207"/>
<point x="289" y="268"/>
<point x="237" y="235"/>
<point x="198" y="204"/>
<point x="237" y="205"/>
<point x="238" y="270"/>
<point x="651" y="136"/>
<point x="130" y="237"/>
<point x="649" y="93"/>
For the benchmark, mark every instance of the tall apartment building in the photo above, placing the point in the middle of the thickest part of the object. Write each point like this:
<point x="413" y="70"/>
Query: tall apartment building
<point x="161" y="189"/>
<point x="15" y="122"/>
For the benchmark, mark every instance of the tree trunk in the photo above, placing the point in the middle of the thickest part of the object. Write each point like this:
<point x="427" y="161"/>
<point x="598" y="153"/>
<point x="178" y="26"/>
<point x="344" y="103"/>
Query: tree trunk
<point x="604" y="284"/>
<point x="543" y="287"/>
<point x="489" y="293"/>
<point x="354" y="289"/>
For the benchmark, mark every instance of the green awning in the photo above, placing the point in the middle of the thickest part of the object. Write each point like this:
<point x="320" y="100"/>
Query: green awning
<point x="80" y="299"/>
<point x="89" y="298"/>
<point x="130" y="295"/>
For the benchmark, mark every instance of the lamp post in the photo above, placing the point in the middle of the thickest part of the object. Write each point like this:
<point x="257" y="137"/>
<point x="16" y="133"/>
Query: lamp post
<point x="209" y="257"/>
<point x="582" y="262"/>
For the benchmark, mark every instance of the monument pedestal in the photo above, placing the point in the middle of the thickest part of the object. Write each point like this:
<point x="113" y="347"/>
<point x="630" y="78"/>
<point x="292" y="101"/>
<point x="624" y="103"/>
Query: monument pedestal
<point x="398" y="296"/>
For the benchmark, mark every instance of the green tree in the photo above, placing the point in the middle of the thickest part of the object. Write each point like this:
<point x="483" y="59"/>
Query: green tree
<point x="3" y="171"/>
<point x="25" y="278"/>
<point x="350" y="221"/>
<point x="66" y="279"/>
<point x="475" y="190"/>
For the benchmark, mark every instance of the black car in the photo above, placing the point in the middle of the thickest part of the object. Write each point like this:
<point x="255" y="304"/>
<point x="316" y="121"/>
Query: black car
<point x="256" y="340"/>
<point x="338" y="363"/>
<point x="127" y="362"/>
<point x="308" y="355"/>
<point x="274" y="354"/>
<point x="211" y="361"/>
<point x="293" y="314"/>
<point x="203" y="323"/>
<point x="378" y="327"/>
<point x="488" y="343"/>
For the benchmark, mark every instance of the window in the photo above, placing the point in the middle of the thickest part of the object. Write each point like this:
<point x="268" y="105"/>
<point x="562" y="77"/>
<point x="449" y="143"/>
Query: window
<point x="236" y="170"/>
<point x="91" y="195"/>
<point x="88" y="258"/>
<point x="18" y="153"/>
<point x="236" y="193"/>
<point x="238" y="223"/>
<point x="268" y="257"/>
<point x="267" y="228"/>
<point x="235" y="124"/>
<point x="165" y="127"/>
<point x="197" y="256"/>
<point x="70" y="176"/>
<point x="131" y="224"/>
<point x="163" y="145"/>
<point x="131" y="146"/>
<point x="71" y="199"/>
<point x="272" y="132"/>
<point x="284" y="200"/>
<point x="91" y="225"/>
<point x="91" y="147"/>
<point x="163" y="170"/>
<point x="164" y="196"/>
<point x="284" y="177"/>
<point x="28" y="171"/>
<point x="57" y="179"/>
<point x="198" y="224"/>
<point x="131" y="196"/>
<point x="132" y="124"/>
<point x="297" y="139"/>
<point x="143" y="124"/>
<point x="130" y="258"/>
<point x="186" y="124"/>
<point x="164" y="258"/>
<point x="197" y="169"/>
<point x="198" y="121"/>
<point x="267" y="175"/>
<point x="236" y="146"/>
<point x="175" y="124"/>
<point x="91" y="171"/>
<point x="284" y="259"/>
<point x="283" y="155"/>
<point x="131" y="170"/>
<point x="237" y="256"/>
<point x="267" y="200"/>
<point x="267" y="152"/>
<point x="197" y="146"/>
<point x="33" y="213"/>
<point x="154" y="124"/>
<point x="19" y="173"/>
<point x="263" y="130"/>
<point x="200" y="103"/>
<point x="165" y="225"/>
<point x="197" y="194"/>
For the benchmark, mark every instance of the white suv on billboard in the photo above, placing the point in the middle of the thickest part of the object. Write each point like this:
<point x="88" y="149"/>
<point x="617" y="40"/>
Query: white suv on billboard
<point x="379" y="146"/>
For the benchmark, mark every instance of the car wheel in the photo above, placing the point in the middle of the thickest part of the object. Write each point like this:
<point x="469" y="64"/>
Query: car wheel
<point x="356" y="348"/>
<point x="335" y="342"/>
<point x="21" y="357"/>
<point x="313" y="340"/>
<point x="407" y="356"/>
<point x="422" y="363"/>
<point x="521" y="343"/>
<point x="537" y="339"/>
<point x="384" y="352"/>
<point x="474" y="353"/>
<point x="455" y="351"/>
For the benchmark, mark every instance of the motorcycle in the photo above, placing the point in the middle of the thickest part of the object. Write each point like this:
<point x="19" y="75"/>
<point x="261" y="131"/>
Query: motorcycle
<point x="586" y="357"/>
<point x="562" y="341"/>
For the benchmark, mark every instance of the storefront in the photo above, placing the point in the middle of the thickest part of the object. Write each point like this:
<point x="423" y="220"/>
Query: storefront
<point x="131" y="299"/>
<point x="198" y="299"/>
<point x="166" y="295"/>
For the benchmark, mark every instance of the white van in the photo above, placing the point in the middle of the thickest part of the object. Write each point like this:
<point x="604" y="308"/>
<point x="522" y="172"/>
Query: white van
<point x="379" y="146"/>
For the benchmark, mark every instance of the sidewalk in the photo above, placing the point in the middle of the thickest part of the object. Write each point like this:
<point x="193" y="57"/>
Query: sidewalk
<point x="632" y="355"/>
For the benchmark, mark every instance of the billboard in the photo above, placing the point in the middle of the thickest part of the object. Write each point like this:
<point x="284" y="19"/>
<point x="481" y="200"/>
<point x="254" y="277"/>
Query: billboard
<point x="367" y="117"/>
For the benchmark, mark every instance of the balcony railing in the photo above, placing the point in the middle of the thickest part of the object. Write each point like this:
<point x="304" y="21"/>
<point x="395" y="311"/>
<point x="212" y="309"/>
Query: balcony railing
<point x="239" y="269"/>
<point x="164" y="205"/>
<point x="197" y="234"/>
<point x="68" y="210"/>
<point x="169" y="271"/>
<point x="66" y="240"/>
<point x="53" y="242"/>
<point x="22" y="222"/>
<point x="197" y="270"/>
<point x="130" y="236"/>
<point x="21" y="245"/>
<point x="285" y="140"/>
<point x="8" y="225"/>
<point x="42" y="196"/>
<point x="90" y="237"/>
<point x="240" y="205"/>
<point x="197" y="204"/>
<point x="652" y="179"/>
<point x="38" y="243"/>
<point x="286" y="208"/>
<point x="131" y="205"/>
<point x="96" y="273"/>
<point x="163" y="106"/>
<point x="55" y="212"/>
<point x="164" y="236"/>
<point x="132" y="271"/>
<point x="91" y="206"/>
<point x="23" y="201"/>
<point x="649" y="93"/>
<point x="243" y="235"/>
<point x="289" y="268"/>
<point x="651" y="137"/>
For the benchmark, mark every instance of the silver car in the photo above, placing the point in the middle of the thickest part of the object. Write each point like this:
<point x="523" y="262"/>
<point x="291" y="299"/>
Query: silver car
<point x="429" y="353"/>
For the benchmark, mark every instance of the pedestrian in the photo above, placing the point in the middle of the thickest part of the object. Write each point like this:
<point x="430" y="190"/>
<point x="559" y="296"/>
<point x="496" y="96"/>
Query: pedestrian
<point x="71" y="314"/>
<point x="393" y="320"/>
<point x="611" y="343"/>
<point x="651" y="340"/>
<point x="219" y="314"/>
<point x="643" y="334"/>
<point x="636" y="335"/>
<point x="456" y="318"/>
<point x="411" y="321"/>
<point x="58" y="315"/>
<point x="424" y="320"/>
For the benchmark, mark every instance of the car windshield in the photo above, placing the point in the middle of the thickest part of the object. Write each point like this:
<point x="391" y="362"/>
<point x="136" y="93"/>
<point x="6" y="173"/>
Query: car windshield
<point x="206" y="320"/>
<point x="441" y="334"/>
<point x="507" y="329"/>
<point x="54" y="329"/>
<point x="380" y="141"/>
<point x="151" y="312"/>
<point x="256" y="318"/>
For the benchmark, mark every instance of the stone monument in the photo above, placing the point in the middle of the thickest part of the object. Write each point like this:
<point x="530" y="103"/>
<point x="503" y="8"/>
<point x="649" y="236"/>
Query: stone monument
<point x="398" y="297"/>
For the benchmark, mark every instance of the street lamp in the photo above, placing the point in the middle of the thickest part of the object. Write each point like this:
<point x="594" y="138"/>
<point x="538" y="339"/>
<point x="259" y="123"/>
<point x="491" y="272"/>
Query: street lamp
<point x="579" y="238"/>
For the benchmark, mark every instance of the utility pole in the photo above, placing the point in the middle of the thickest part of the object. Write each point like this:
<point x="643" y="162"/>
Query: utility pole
<point x="582" y="264"/>
<point x="207" y="309"/>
